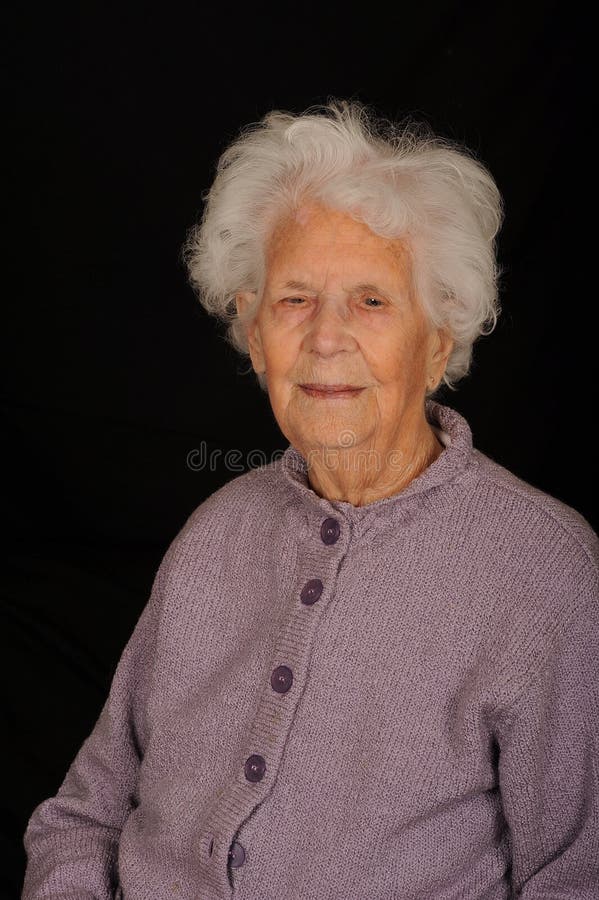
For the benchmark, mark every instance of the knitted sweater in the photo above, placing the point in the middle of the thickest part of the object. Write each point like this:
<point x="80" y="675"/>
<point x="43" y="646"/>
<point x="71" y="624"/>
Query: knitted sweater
<point x="356" y="703"/>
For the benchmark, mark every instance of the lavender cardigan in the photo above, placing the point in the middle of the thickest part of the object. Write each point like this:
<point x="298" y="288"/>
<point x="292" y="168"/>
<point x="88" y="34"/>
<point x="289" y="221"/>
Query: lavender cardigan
<point x="326" y="701"/>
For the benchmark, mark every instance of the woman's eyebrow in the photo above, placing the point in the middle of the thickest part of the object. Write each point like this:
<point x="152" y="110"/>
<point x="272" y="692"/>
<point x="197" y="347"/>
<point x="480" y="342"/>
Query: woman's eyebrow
<point x="362" y="287"/>
<point x="367" y="287"/>
<point x="297" y="286"/>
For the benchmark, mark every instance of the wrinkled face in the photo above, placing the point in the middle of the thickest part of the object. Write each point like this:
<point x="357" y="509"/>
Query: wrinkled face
<point x="338" y="310"/>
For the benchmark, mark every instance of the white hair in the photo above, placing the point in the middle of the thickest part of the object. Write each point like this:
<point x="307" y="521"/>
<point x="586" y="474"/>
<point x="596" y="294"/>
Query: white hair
<point x="399" y="179"/>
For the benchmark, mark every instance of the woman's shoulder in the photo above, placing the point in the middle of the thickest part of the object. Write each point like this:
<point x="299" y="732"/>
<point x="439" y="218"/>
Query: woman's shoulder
<point x="529" y="515"/>
<point x="232" y="513"/>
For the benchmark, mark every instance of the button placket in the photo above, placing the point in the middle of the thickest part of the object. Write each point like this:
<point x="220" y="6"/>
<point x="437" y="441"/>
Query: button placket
<point x="281" y="679"/>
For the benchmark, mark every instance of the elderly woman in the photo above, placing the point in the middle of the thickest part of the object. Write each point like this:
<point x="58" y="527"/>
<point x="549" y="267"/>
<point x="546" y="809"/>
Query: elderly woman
<point x="370" y="668"/>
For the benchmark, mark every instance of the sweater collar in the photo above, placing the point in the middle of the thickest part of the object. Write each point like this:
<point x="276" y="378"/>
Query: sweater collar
<point x="453" y="431"/>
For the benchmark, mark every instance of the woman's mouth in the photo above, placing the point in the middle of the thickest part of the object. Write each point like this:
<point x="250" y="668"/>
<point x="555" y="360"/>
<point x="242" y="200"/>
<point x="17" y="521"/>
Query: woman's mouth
<point x="331" y="391"/>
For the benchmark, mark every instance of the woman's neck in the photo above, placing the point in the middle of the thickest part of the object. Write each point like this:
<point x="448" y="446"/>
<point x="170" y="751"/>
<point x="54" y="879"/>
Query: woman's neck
<point x="361" y="477"/>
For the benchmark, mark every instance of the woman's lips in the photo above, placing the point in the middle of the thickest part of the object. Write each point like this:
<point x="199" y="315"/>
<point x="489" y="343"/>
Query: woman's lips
<point x="331" y="391"/>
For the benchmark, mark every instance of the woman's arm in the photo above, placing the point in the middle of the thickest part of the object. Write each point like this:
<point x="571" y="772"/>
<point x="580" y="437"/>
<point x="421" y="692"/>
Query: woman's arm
<point x="72" y="839"/>
<point x="548" y="765"/>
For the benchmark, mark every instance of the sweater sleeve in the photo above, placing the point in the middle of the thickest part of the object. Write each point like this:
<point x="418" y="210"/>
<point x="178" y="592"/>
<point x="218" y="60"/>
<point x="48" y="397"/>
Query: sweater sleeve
<point x="72" y="839"/>
<point x="548" y="767"/>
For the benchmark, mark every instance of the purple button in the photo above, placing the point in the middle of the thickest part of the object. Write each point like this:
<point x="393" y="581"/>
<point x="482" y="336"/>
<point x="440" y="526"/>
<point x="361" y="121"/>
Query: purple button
<point x="255" y="767"/>
<point x="281" y="679"/>
<point x="330" y="531"/>
<point x="236" y="855"/>
<point x="311" y="591"/>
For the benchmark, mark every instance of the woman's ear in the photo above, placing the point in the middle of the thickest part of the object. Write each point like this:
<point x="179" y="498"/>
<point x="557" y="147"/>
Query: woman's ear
<point x="243" y="301"/>
<point x="442" y="346"/>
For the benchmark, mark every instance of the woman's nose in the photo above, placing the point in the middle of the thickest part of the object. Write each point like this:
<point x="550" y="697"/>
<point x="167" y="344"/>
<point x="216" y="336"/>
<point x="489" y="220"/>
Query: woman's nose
<point x="329" y="329"/>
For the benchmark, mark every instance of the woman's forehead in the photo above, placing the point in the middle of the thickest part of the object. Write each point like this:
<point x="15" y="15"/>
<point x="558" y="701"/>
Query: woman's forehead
<point x="313" y="223"/>
<point x="332" y="245"/>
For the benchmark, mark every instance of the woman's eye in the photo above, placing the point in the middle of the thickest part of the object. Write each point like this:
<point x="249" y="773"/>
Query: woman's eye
<point x="371" y="300"/>
<point x="294" y="301"/>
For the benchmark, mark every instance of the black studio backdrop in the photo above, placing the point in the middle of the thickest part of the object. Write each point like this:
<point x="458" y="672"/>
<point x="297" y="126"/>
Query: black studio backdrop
<point x="113" y="374"/>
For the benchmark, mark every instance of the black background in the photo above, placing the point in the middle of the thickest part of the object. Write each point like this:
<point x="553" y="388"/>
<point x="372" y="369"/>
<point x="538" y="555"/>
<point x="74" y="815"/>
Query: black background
<point x="113" y="372"/>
